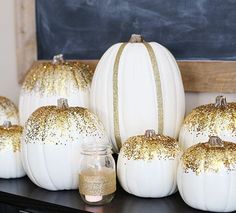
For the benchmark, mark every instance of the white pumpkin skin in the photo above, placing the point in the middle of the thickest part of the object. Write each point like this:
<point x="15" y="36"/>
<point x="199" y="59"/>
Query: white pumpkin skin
<point x="208" y="191"/>
<point x="29" y="102"/>
<point x="10" y="156"/>
<point x="147" y="165"/>
<point x="150" y="179"/>
<point x="206" y="176"/>
<point x="8" y="111"/>
<point x="208" y="120"/>
<point x="53" y="163"/>
<point x="47" y="82"/>
<point x="137" y="104"/>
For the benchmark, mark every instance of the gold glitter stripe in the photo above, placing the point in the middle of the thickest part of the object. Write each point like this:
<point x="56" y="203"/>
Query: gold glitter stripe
<point x="115" y="96"/>
<point x="156" y="74"/>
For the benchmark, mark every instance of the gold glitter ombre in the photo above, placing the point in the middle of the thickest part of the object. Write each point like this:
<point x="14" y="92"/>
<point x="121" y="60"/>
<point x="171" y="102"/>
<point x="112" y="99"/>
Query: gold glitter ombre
<point x="60" y="125"/>
<point x="150" y="146"/>
<point x="57" y="77"/>
<point x="8" y="110"/>
<point x="213" y="118"/>
<point x="10" y="137"/>
<point x="211" y="156"/>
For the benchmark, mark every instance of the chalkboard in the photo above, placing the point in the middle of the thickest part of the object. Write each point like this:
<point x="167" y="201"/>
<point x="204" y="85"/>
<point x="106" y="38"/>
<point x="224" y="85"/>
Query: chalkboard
<point x="84" y="29"/>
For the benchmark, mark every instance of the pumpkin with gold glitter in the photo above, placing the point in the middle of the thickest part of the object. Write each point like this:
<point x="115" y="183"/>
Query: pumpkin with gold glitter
<point x="206" y="176"/>
<point x="48" y="81"/>
<point x="217" y="119"/>
<point x="51" y="144"/>
<point x="137" y="86"/>
<point x="147" y="165"/>
<point x="8" y="111"/>
<point x="10" y="156"/>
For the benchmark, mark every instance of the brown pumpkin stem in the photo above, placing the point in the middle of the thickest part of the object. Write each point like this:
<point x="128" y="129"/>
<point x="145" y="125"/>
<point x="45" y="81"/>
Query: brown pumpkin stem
<point x="62" y="103"/>
<point x="215" y="141"/>
<point x="7" y="124"/>
<point x="150" y="133"/>
<point x="220" y="101"/>
<point x="58" y="59"/>
<point x="135" y="38"/>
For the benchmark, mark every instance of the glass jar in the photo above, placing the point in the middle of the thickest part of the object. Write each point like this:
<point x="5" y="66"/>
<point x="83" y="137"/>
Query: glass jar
<point x="97" y="176"/>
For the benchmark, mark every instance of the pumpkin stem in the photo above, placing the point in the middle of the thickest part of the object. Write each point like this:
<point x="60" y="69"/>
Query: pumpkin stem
<point x="58" y="59"/>
<point x="150" y="133"/>
<point x="215" y="141"/>
<point x="135" y="38"/>
<point x="7" y="124"/>
<point x="220" y="101"/>
<point x="62" y="103"/>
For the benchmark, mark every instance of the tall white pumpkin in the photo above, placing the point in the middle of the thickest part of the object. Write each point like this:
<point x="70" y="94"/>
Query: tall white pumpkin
<point x="10" y="156"/>
<point x="217" y="119"/>
<point x="48" y="81"/>
<point x="8" y="111"/>
<point x="51" y="144"/>
<point x="206" y="176"/>
<point x="138" y="86"/>
<point x="147" y="165"/>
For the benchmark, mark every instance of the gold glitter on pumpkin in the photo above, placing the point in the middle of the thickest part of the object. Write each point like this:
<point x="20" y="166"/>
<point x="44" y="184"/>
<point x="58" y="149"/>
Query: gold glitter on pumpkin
<point x="212" y="119"/>
<point x="10" y="137"/>
<point x="62" y="78"/>
<point x="61" y="125"/>
<point x="205" y="157"/>
<point x="158" y="146"/>
<point x="7" y="109"/>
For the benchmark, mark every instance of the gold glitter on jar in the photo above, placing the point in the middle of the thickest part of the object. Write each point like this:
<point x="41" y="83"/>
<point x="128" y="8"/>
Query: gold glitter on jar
<point x="211" y="156"/>
<point x="213" y="118"/>
<point x="150" y="146"/>
<point x="10" y="136"/>
<point x="8" y="110"/>
<point x="60" y="125"/>
<point x="57" y="77"/>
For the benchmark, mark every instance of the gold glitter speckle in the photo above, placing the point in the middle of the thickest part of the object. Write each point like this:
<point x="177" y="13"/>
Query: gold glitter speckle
<point x="142" y="147"/>
<point x="58" y="78"/>
<point x="10" y="137"/>
<point x="8" y="110"/>
<point x="58" y="126"/>
<point x="212" y="119"/>
<point x="205" y="157"/>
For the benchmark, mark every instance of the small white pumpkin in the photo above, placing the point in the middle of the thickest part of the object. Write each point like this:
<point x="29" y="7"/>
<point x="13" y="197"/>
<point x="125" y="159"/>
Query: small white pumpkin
<point x="212" y="119"/>
<point x="147" y="165"/>
<point x="8" y="111"/>
<point x="10" y="157"/>
<point x="138" y="86"/>
<point x="51" y="144"/>
<point x="207" y="176"/>
<point x="48" y="81"/>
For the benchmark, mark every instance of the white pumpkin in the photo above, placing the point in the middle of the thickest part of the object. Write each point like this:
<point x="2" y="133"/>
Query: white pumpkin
<point x="10" y="157"/>
<point x="211" y="119"/>
<point x="147" y="165"/>
<point x="207" y="176"/>
<point x="137" y="86"/>
<point x="48" y="81"/>
<point x="8" y="111"/>
<point x="51" y="144"/>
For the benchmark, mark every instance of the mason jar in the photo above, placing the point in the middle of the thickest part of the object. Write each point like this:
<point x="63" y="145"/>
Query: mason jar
<point x="97" y="176"/>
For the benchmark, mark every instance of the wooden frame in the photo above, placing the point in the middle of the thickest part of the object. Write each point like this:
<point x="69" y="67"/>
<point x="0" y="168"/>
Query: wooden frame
<point x="198" y="76"/>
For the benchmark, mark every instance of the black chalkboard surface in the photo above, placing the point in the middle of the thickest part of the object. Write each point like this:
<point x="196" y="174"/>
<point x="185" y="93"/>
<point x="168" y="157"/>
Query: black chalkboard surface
<point x="84" y="29"/>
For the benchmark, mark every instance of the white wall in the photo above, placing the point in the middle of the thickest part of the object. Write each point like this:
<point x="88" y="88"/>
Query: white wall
<point x="8" y="75"/>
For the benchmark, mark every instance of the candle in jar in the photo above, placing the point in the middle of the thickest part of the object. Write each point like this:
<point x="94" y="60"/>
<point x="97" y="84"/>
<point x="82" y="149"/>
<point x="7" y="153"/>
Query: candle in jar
<point x="94" y="183"/>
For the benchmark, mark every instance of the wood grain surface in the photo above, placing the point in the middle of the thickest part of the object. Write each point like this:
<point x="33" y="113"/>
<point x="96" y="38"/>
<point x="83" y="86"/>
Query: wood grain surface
<point x="203" y="76"/>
